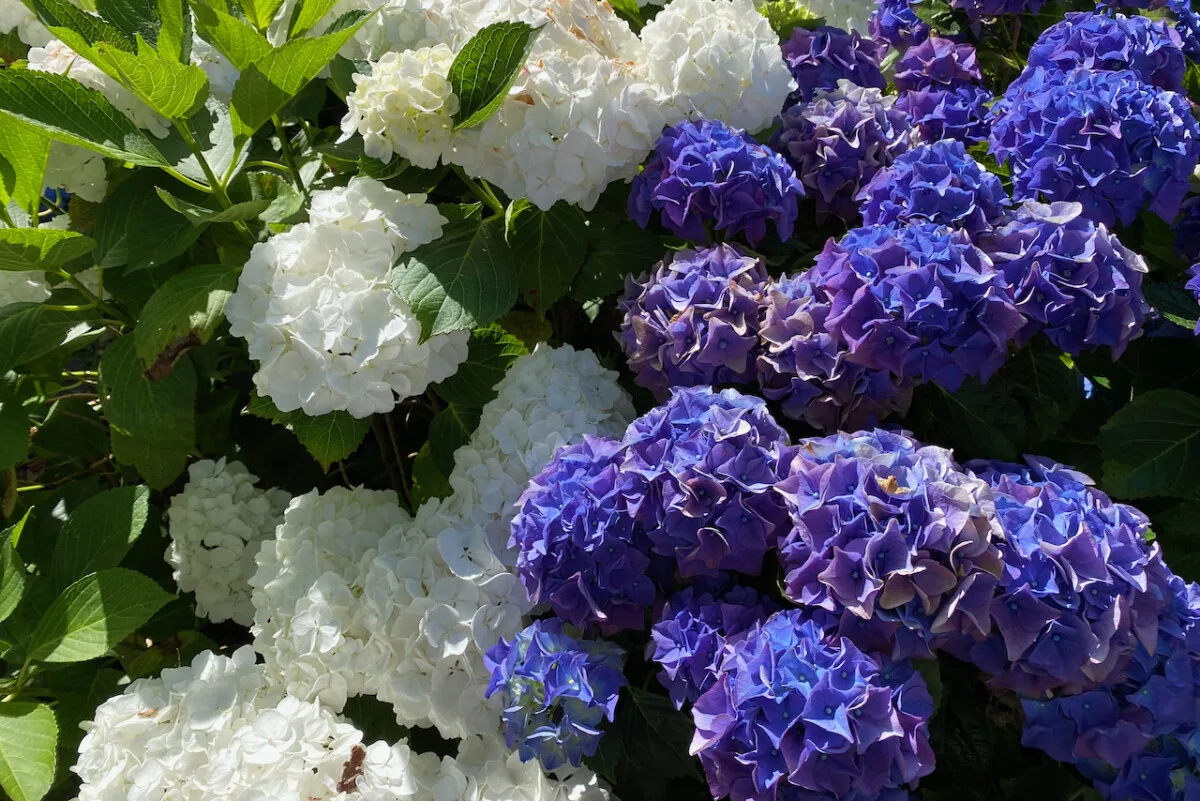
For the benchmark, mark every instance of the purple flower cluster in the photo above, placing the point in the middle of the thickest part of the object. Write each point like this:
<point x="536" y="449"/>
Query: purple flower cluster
<point x="705" y="173"/>
<point x="838" y="141"/>
<point x="810" y="371"/>
<point x="937" y="63"/>
<point x="701" y="471"/>
<point x="985" y="9"/>
<point x="820" y="58"/>
<point x="1193" y="285"/>
<point x="1148" y="48"/>
<point x="939" y="82"/>
<point x="1071" y="278"/>
<point x="894" y="22"/>
<point x="1187" y="230"/>
<point x="694" y="319"/>
<point x="1187" y="25"/>
<point x="577" y="544"/>
<point x="556" y="691"/>
<point x="1105" y="139"/>
<point x="936" y="183"/>
<point x="919" y="301"/>
<point x="692" y="634"/>
<point x="796" y="713"/>
<point x="889" y="529"/>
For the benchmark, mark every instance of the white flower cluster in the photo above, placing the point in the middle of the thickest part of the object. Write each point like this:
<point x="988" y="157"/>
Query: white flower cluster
<point x="315" y="306"/>
<point x="77" y="170"/>
<point x="16" y="16"/>
<point x="355" y="597"/>
<point x="216" y="525"/>
<point x="591" y="100"/>
<point x="29" y="286"/>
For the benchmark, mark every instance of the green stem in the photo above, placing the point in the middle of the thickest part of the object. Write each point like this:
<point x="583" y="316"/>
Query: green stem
<point x="20" y="678"/>
<point x="486" y="195"/>
<point x="270" y="165"/>
<point x="404" y="491"/>
<point x="96" y="302"/>
<point x="218" y="189"/>
<point x="8" y="220"/>
<point x="288" y="156"/>
<point x="183" y="179"/>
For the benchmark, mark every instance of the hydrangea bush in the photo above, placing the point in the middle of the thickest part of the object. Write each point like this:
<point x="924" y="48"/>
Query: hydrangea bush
<point x="566" y="400"/>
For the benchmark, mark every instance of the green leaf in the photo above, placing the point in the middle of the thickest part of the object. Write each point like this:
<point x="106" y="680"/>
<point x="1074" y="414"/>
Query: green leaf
<point x="1176" y="532"/>
<point x="981" y="421"/>
<point x="283" y="200"/>
<point x="23" y="152"/>
<point x="466" y="279"/>
<point x="428" y="480"/>
<point x="490" y="352"/>
<point x="269" y="82"/>
<point x="12" y="569"/>
<point x="308" y="13"/>
<point x="80" y="689"/>
<point x="14" y="435"/>
<point x="183" y="313"/>
<point x="1047" y="387"/>
<point x="212" y="128"/>
<point x="260" y="13"/>
<point x="77" y="28"/>
<point x="73" y="428"/>
<point x="28" y="737"/>
<point x="202" y="215"/>
<point x="1175" y="303"/>
<point x="159" y="465"/>
<point x="329" y="438"/>
<point x="485" y="68"/>
<point x="29" y="330"/>
<point x="174" y="90"/>
<point x="175" y="31"/>
<point x="41" y="248"/>
<point x="134" y="18"/>
<point x="449" y="431"/>
<point x="1151" y="446"/>
<point x="240" y="43"/>
<point x="646" y="747"/>
<point x="93" y="614"/>
<point x="155" y="233"/>
<point x="99" y="533"/>
<point x="615" y="249"/>
<point x="551" y="248"/>
<point x="76" y="114"/>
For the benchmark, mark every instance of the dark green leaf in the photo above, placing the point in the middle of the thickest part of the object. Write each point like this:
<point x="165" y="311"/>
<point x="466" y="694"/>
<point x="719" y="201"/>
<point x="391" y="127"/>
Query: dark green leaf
<point x="155" y="233"/>
<point x="615" y="250"/>
<point x="78" y="28"/>
<point x="485" y="68"/>
<point x="284" y="201"/>
<point x="99" y="533"/>
<point x="552" y="247"/>
<point x="80" y="689"/>
<point x="646" y="746"/>
<point x="183" y="313"/>
<point x="41" y="248"/>
<point x="132" y="17"/>
<point x="977" y="421"/>
<point x="1151" y="446"/>
<point x="12" y="570"/>
<point x="329" y="438"/>
<point x="29" y="330"/>
<point x="1174" y="302"/>
<point x="202" y="215"/>
<point x="1175" y="530"/>
<point x="489" y="354"/>
<point x="14" y="435"/>
<point x="428" y="480"/>
<point x="73" y="427"/>
<point x="240" y="43"/>
<point x="450" y="430"/>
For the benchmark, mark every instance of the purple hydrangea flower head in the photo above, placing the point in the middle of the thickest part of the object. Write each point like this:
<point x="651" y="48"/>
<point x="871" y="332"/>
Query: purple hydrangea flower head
<point x="1151" y="49"/>
<point x="894" y="22"/>
<point x="1105" y="139"/>
<point x="796" y="713"/>
<point x="809" y="370"/>
<point x="706" y="172"/>
<point x="1187" y="25"/>
<point x="887" y="528"/>
<point x="1071" y="278"/>
<point x="821" y="57"/>
<point x="577" y="545"/>
<point x="919" y="301"/>
<point x="960" y="113"/>
<point x="1187" y="230"/>
<point x="700" y="472"/>
<point x="839" y="140"/>
<point x="936" y="183"/>
<point x="937" y="63"/>
<point x="694" y="319"/>
<point x="1079" y="589"/>
<point x="985" y="9"/>
<point x="555" y="690"/>
<point x="1193" y="285"/>
<point x="695" y="627"/>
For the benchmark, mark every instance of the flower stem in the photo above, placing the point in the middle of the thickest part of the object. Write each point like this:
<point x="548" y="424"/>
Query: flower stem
<point x="481" y="190"/>
<point x="216" y="187"/>
<point x="289" y="157"/>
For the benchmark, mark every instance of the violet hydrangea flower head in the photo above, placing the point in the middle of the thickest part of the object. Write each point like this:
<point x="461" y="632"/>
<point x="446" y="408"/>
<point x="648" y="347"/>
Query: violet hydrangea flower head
<point x="896" y="23"/>
<point x="1071" y="278"/>
<point x="1149" y="48"/>
<point x="1079" y="590"/>
<point x="919" y="301"/>
<point x="690" y="638"/>
<point x="809" y="370"/>
<point x="578" y="548"/>
<point x="556" y="690"/>
<point x="694" y="319"/>
<point x="887" y="528"/>
<point x="960" y="113"/>
<point x="1105" y="139"/>
<point x="1193" y="285"/>
<point x="838" y="141"/>
<point x="796" y="713"/>
<point x="819" y="58"/>
<point x="700" y="472"/>
<point x="979" y="10"/>
<point x="937" y="63"/>
<point x="1187" y="25"/>
<point x="937" y="183"/>
<point x="1187" y="230"/>
<point x="708" y="173"/>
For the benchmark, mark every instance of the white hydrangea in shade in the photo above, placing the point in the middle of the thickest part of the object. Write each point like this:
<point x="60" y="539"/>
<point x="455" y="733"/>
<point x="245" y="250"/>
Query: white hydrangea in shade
<point x="718" y="59"/>
<point x="404" y="106"/>
<point x="222" y="75"/>
<point x="22" y="287"/>
<point x="316" y="309"/>
<point x="218" y="729"/>
<point x="216" y="525"/>
<point x="16" y="16"/>
<point x="77" y="170"/>
<point x="847" y="14"/>
<point x="485" y="770"/>
<point x="55" y="57"/>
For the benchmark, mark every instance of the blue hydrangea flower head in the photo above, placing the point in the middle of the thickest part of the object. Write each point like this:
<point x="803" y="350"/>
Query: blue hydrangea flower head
<point x="796" y="713"/>
<point x="979" y="10"/>
<point x="692" y="634"/>
<point x="577" y="546"/>
<point x="555" y="690"/>
<point x="1071" y="278"/>
<point x="694" y="319"/>
<point x="936" y="183"/>
<point x="809" y="370"/>
<point x="887" y="528"/>
<point x="1105" y="139"/>
<point x="937" y="63"/>
<point x="700" y="472"/>
<point x="894" y="22"/>
<point x="960" y="113"/>
<point x="838" y="141"/>
<point x="819" y="58"/>
<point x="55" y="201"/>
<point x="1150" y="49"/>
<point x="706" y="173"/>
<point x="919" y="301"/>
<point x="1187" y="229"/>
<point x="1078" y="593"/>
<point x="1187" y="25"/>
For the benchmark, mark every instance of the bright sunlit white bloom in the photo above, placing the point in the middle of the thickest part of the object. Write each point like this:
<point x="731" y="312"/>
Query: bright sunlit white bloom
<point x="76" y="170"/>
<point x="216" y="525"/>
<point x="16" y="16"/>
<point x="318" y="314"/>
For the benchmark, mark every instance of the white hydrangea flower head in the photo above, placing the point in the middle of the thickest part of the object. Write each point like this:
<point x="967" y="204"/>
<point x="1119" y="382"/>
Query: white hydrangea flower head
<point x="77" y="170"/>
<point x="216" y="525"/>
<point x="316" y="309"/>
<point x="58" y="59"/>
<point x="222" y="75"/>
<point x="847" y="14"/>
<point x="486" y="770"/>
<point x="22" y="287"/>
<point x="718" y="59"/>
<point x="218" y="729"/>
<point x="405" y="106"/>
<point x="16" y="16"/>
